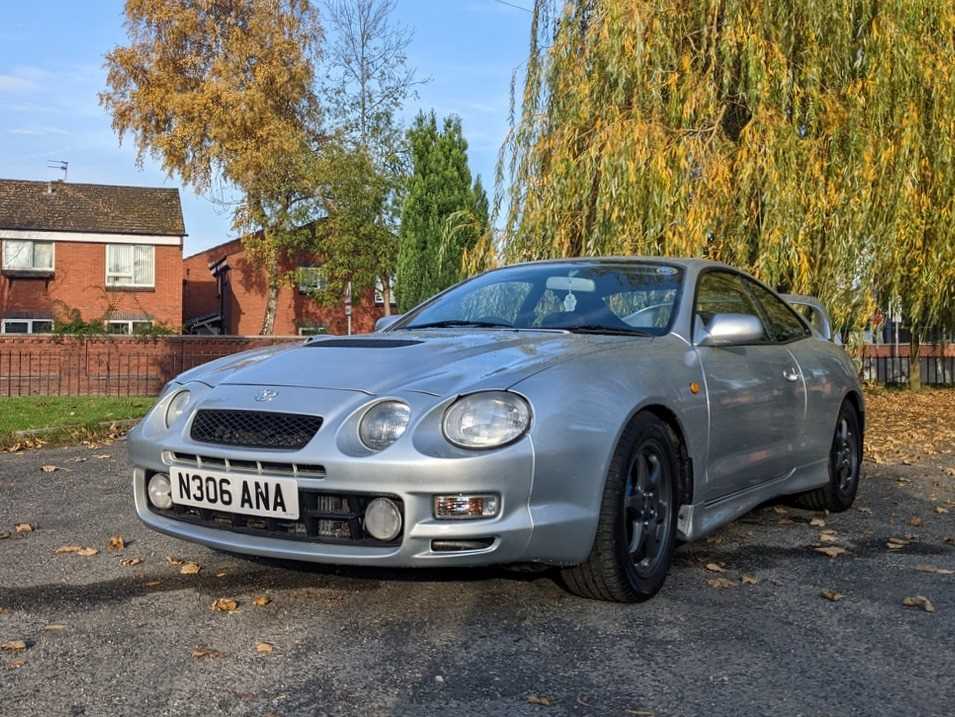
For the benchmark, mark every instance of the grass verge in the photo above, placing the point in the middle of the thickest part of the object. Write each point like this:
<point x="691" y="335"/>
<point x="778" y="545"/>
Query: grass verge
<point x="65" y="419"/>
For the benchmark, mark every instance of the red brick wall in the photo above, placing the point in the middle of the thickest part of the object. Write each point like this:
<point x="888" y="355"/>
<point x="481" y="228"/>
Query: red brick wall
<point x="79" y="282"/>
<point x="245" y="302"/>
<point x="116" y="365"/>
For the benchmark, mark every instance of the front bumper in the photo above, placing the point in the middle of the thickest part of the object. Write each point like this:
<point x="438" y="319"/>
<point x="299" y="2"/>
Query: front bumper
<point x="414" y="469"/>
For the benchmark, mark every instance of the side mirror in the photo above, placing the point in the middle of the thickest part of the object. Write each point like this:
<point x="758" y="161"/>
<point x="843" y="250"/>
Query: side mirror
<point x="732" y="330"/>
<point x="385" y="321"/>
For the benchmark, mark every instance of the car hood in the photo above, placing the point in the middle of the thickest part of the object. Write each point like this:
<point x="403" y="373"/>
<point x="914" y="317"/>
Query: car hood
<point x="435" y="362"/>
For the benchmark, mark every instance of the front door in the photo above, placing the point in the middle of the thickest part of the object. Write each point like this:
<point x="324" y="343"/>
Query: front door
<point x="756" y="395"/>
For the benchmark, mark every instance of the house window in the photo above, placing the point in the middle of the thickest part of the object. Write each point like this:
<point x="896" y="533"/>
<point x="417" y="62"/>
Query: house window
<point x="27" y="255"/>
<point x="26" y="326"/>
<point x="310" y="279"/>
<point x="123" y="327"/>
<point x="311" y="330"/>
<point x="132" y="265"/>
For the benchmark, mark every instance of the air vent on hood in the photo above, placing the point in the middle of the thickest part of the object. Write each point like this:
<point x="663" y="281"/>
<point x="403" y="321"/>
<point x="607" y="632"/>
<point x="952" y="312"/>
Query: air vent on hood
<point x="363" y="343"/>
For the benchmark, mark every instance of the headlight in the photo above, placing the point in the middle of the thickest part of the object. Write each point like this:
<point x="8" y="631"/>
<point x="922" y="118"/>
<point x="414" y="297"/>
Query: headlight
<point x="176" y="406"/>
<point x="383" y="424"/>
<point x="487" y="420"/>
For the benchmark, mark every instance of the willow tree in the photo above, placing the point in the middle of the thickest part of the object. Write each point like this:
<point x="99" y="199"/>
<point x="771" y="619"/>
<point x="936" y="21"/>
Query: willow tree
<point x="225" y="91"/>
<point x="808" y="142"/>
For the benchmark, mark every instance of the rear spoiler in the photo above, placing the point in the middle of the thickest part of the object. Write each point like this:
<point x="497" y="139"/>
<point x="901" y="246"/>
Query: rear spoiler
<point x="812" y="310"/>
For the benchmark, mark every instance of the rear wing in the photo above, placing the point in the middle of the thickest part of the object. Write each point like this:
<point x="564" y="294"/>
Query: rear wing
<point x="815" y="314"/>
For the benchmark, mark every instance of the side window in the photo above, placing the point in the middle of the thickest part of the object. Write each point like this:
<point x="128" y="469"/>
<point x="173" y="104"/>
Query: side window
<point x="719" y="292"/>
<point x="784" y="325"/>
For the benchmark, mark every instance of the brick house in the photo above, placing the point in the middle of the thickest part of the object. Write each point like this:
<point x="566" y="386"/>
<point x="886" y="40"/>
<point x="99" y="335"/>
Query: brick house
<point x="100" y="252"/>
<point x="224" y="292"/>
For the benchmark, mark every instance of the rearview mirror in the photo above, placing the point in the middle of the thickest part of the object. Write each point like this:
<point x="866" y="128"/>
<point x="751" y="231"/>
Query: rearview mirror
<point x="385" y="321"/>
<point x="731" y="330"/>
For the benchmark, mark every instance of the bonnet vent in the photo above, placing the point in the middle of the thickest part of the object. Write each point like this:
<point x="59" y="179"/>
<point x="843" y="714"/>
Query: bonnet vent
<point x="363" y="343"/>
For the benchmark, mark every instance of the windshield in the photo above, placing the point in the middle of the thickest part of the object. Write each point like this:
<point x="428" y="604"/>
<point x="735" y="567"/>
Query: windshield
<point x="597" y="297"/>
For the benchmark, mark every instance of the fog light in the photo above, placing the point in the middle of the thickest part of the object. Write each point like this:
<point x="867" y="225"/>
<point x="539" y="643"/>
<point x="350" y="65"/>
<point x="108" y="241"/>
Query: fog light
<point x="464" y="507"/>
<point x="160" y="491"/>
<point x="383" y="519"/>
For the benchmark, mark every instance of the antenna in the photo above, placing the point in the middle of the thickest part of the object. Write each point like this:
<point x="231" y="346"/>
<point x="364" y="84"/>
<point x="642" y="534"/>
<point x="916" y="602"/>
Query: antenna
<point x="59" y="164"/>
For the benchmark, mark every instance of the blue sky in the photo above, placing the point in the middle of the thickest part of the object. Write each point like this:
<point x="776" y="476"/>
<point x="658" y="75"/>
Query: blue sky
<point x="51" y="57"/>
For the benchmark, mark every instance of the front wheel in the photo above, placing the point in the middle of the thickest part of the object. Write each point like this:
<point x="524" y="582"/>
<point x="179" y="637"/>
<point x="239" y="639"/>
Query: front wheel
<point x="845" y="466"/>
<point x="636" y="531"/>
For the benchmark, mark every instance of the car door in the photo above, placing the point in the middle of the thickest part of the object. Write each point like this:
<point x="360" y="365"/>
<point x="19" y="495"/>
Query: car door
<point x="755" y="394"/>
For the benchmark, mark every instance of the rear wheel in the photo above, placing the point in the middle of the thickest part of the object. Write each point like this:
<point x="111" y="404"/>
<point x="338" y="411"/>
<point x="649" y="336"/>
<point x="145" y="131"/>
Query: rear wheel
<point x="636" y="532"/>
<point x="845" y="466"/>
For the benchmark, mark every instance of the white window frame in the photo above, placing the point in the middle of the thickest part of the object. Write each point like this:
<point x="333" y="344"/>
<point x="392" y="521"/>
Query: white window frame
<point x="127" y="322"/>
<point x="28" y="322"/>
<point x="305" y="288"/>
<point x="32" y="242"/>
<point x="110" y="285"/>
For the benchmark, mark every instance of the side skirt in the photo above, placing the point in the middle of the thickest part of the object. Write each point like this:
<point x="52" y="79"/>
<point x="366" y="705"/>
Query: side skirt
<point x="699" y="520"/>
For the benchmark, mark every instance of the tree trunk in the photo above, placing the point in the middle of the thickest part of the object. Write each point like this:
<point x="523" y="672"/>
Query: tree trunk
<point x="386" y="294"/>
<point x="271" y="300"/>
<point x="915" y="366"/>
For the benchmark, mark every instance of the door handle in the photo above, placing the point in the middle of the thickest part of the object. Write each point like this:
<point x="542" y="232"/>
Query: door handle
<point x="790" y="374"/>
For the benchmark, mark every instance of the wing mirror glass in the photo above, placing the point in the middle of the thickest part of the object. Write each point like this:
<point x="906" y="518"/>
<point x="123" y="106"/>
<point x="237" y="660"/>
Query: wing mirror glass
<point x="385" y="321"/>
<point x="732" y="330"/>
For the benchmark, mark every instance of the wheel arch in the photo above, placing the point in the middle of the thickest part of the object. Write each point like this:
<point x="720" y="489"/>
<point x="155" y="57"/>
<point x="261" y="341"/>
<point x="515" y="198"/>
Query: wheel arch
<point x="857" y="402"/>
<point x="670" y="418"/>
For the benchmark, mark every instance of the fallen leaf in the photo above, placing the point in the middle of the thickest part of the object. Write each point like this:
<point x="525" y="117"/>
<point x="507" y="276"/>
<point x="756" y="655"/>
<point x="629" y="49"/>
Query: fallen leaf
<point x="714" y="567"/>
<point x="16" y="664"/>
<point x="190" y="568"/>
<point x="48" y="468"/>
<point x="950" y="472"/>
<point x="4" y="534"/>
<point x="897" y="543"/>
<point x="201" y="653"/>
<point x="54" y="627"/>
<point x="13" y="646"/>
<point x="934" y="569"/>
<point x="817" y="523"/>
<point x="117" y="543"/>
<point x="102" y="456"/>
<point x="151" y="583"/>
<point x="221" y="574"/>
<point x="172" y="560"/>
<point x="939" y="509"/>
<point x="749" y="579"/>
<point x="832" y="551"/>
<point x="915" y="521"/>
<point x="828" y="536"/>
<point x="225" y="605"/>
<point x="87" y="552"/>
<point x="779" y="510"/>
<point x="832" y="595"/>
<point x="867" y="511"/>
<point x="24" y="527"/>
<point x="539" y="700"/>
<point x="721" y="583"/>
<point x="263" y="648"/>
<point x="919" y="601"/>
<point x="261" y="600"/>
<point x="130" y="562"/>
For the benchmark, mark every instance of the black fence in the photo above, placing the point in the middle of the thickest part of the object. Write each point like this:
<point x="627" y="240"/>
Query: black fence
<point x="894" y="370"/>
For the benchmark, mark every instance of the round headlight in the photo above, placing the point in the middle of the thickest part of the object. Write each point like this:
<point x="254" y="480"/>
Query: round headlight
<point x="487" y="420"/>
<point x="176" y="406"/>
<point x="383" y="424"/>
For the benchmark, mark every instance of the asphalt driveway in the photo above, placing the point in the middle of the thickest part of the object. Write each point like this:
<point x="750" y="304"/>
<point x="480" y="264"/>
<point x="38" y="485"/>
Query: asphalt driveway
<point x="101" y="637"/>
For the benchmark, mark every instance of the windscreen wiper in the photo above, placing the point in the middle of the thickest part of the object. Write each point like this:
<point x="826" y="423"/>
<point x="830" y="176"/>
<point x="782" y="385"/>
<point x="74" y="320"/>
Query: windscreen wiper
<point x="609" y="330"/>
<point x="455" y="323"/>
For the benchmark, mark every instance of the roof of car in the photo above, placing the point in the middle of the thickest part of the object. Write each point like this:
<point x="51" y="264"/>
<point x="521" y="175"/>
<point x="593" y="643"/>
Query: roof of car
<point x="686" y="262"/>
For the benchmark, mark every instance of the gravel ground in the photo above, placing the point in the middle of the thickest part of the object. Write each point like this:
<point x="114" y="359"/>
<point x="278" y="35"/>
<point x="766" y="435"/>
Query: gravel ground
<point x="103" y="638"/>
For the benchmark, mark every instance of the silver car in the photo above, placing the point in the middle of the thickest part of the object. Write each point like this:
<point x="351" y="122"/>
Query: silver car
<point x="587" y="414"/>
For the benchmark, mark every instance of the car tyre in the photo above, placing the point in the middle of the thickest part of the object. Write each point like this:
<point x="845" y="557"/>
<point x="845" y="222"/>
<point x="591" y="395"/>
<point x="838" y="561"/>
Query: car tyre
<point x="636" y="531"/>
<point x="845" y="466"/>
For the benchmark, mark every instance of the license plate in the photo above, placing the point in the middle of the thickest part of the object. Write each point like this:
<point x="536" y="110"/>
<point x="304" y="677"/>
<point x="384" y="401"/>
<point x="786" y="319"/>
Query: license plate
<point x="233" y="493"/>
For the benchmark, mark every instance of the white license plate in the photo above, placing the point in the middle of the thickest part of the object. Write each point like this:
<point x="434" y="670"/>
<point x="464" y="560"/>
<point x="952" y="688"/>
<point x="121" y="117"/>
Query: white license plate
<point x="235" y="493"/>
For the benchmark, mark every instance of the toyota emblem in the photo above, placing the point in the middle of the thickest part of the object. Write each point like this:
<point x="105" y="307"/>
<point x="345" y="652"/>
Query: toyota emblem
<point x="266" y="394"/>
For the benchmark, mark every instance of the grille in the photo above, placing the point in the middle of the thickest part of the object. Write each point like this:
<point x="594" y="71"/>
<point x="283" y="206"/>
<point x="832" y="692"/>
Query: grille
<point x="234" y="465"/>
<point x="254" y="429"/>
<point x="332" y="518"/>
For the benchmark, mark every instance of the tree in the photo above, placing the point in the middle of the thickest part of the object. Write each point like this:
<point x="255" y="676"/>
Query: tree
<point x="367" y="85"/>
<point x="434" y="232"/>
<point x="226" y="90"/>
<point x="807" y="142"/>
